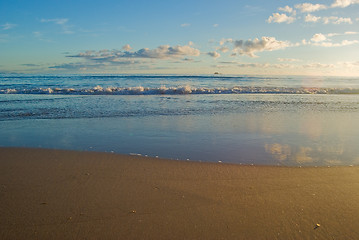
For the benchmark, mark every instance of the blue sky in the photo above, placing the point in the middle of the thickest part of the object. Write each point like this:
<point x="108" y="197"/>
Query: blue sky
<point x="180" y="37"/>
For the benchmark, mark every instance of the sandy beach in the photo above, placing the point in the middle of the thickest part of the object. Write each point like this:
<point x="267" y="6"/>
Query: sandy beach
<point x="55" y="194"/>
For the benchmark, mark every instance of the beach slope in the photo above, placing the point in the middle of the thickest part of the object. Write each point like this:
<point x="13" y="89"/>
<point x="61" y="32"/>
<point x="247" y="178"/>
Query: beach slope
<point x="55" y="194"/>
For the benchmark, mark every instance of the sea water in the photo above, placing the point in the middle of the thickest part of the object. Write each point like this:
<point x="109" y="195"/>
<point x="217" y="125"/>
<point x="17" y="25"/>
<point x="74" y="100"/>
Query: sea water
<point x="270" y="120"/>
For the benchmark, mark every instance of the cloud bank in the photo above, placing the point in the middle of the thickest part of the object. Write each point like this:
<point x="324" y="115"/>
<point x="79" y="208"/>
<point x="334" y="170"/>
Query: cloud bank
<point x="161" y="52"/>
<point x="108" y="58"/>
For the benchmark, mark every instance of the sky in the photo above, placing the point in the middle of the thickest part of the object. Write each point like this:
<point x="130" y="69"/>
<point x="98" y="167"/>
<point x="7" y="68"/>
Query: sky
<point x="281" y="37"/>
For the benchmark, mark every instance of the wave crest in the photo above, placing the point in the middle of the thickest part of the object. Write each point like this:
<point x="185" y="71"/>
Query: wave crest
<point x="98" y="90"/>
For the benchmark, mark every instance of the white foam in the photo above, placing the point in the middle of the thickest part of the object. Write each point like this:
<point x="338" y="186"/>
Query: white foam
<point x="180" y="90"/>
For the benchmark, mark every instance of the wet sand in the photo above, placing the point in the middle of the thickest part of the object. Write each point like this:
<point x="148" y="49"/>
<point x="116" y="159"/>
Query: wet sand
<point x="55" y="194"/>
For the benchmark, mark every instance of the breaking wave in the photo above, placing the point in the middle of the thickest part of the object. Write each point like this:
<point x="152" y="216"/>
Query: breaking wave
<point x="98" y="90"/>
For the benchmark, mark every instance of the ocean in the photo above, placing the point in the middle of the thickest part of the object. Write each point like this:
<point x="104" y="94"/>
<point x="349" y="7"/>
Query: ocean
<point x="264" y="120"/>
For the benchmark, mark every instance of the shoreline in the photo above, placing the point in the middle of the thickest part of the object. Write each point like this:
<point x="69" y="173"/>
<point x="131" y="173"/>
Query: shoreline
<point x="61" y="194"/>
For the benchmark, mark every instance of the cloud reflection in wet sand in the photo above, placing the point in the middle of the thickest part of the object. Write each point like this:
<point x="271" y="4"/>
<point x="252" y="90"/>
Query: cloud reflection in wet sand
<point x="305" y="155"/>
<point x="279" y="151"/>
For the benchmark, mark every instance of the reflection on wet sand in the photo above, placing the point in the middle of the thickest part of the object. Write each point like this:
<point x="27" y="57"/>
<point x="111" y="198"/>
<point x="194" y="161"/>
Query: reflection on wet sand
<point x="302" y="156"/>
<point x="279" y="151"/>
<point x="285" y="153"/>
<point x="305" y="155"/>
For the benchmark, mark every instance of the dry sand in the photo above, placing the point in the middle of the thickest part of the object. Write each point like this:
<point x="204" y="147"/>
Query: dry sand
<point x="51" y="194"/>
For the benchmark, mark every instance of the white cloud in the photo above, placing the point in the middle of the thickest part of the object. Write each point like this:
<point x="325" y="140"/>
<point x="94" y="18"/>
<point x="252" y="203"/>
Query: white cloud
<point x="223" y="49"/>
<point x="281" y="66"/>
<point x="286" y="9"/>
<point x="37" y="34"/>
<point x="351" y="33"/>
<point x="327" y="20"/>
<point x="344" y="3"/>
<point x="280" y="18"/>
<point x="250" y="47"/>
<point x="59" y="21"/>
<point x="309" y="7"/>
<point x="304" y="42"/>
<point x="311" y="18"/>
<point x="341" y="44"/>
<point x="288" y="60"/>
<point x="264" y="65"/>
<point x="185" y="25"/>
<point x="318" y="37"/>
<point x="229" y="62"/>
<point x="225" y="40"/>
<point x="336" y="20"/>
<point x="323" y="40"/>
<point x="8" y="26"/>
<point x="188" y="59"/>
<point x="334" y="34"/>
<point x="127" y="47"/>
<point x="350" y="64"/>
<point x="166" y="51"/>
<point x="341" y="34"/>
<point x="215" y="25"/>
<point x="214" y="54"/>
<point x="40" y="36"/>
<point x="318" y="65"/>
<point x="251" y="65"/>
